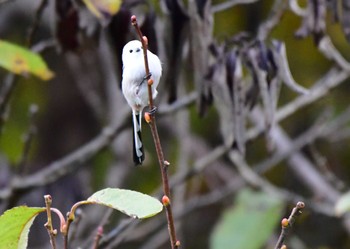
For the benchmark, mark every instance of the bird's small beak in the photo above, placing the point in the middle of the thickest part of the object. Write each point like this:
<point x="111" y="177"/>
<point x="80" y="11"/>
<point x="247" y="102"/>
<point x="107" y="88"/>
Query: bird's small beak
<point x="138" y="50"/>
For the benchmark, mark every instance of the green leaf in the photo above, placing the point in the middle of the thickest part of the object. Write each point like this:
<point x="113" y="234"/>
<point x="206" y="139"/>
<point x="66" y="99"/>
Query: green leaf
<point x="14" y="226"/>
<point x="23" y="61"/>
<point x="342" y="206"/>
<point x="103" y="9"/>
<point x="132" y="203"/>
<point x="249" y="223"/>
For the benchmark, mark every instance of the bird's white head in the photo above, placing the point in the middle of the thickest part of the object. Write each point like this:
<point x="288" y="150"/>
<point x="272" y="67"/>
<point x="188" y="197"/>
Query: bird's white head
<point x="132" y="50"/>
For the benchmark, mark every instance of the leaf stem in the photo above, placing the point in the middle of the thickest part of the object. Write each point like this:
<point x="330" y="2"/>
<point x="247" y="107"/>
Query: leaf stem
<point x="70" y="219"/>
<point x="152" y="123"/>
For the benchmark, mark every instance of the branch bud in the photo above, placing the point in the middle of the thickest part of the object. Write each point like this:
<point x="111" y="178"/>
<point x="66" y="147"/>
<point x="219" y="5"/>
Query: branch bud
<point x="165" y="200"/>
<point x="133" y="20"/>
<point x="285" y="222"/>
<point x="147" y="117"/>
<point x="100" y="230"/>
<point x="150" y="82"/>
<point x="48" y="199"/>
<point x="300" y="205"/>
<point x="177" y="243"/>
<point x="145" y="39"/>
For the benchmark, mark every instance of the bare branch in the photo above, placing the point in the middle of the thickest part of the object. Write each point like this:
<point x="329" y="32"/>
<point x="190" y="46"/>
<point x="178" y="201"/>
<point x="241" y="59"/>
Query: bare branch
<point x="229" y="4"/>
<point x="322" y="87"/>
<point x="67" y="164"/>
<point x="273" y="19"/>
<point x="328" y="49"/>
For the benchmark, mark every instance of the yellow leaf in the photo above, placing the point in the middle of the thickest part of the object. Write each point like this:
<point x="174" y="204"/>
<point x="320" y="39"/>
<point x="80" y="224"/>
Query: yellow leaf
<point x="103" y="9"/>
<point x="23" y="61"/>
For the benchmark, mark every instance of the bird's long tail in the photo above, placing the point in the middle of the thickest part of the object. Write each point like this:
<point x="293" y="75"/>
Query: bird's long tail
<point x="138" y="152"/>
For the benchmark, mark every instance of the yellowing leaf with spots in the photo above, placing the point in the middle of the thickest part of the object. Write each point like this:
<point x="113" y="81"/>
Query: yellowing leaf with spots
<point x="103" y="9"/>
<point x="23" y="61"/>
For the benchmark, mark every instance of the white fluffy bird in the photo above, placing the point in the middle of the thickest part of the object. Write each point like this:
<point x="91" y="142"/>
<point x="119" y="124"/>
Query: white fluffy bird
<point x="135" y="88"/>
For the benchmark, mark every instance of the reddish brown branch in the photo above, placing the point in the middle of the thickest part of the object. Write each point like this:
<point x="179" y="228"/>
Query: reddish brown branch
<point x="152" y="123"/>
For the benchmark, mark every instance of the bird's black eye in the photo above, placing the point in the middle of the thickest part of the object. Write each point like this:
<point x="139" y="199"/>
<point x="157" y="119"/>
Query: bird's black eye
<point x="130" y="51"/>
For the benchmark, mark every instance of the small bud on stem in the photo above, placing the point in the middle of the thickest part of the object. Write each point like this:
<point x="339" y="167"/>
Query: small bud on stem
<point x="147" y="117"/>
<point x="145" y="39"/>
<point x="285" y="222"/>
<point x="133" y="20"/>
<point x="165" y="200"/>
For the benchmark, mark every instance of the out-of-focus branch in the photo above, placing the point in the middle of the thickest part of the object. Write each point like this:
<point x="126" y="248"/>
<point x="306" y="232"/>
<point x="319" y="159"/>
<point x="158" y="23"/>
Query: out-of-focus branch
<point x="252" y="178"/>
<point x="5" y="93"/>
<point x="181" y="103"/>
<point x="321" y="88"/>
<point x="229" y="4"/>
<point x="319" y="130"/>
<point x="278" y="9"/>
<point x="27" y="139"/>
<point x="35" y="24"/>
<point x="67" y="164"/>
<point x="328" y="49"/>
<point x="299" y="164"/>
<point x="294" y="6"/>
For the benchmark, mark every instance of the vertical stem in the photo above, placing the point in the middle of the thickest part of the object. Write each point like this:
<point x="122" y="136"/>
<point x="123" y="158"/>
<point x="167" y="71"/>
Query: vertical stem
<point x="48" y="224"/>
<point x="165" y="181"/>
<point x="162" y="163"/>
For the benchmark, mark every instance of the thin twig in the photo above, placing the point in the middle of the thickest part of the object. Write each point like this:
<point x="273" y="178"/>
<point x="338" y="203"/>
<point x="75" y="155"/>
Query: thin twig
<point x="27" y="139"/>
<point x="229" y="4"/>
<point x="52" y="232"/>
<point x="7" y="89"/>
<point x="288" y="223"/>
<point x="278" y="9"/>
<point x="98" y="237"/>
<point x="35" y="24"/>
<point x="162" y="163"/>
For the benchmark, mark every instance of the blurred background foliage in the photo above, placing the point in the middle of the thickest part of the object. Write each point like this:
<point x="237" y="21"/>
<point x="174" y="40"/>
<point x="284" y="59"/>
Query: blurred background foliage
<point x="84" y="97"/>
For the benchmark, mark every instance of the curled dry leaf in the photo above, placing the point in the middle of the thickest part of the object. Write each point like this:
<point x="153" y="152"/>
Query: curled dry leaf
<point x="280" y="56"/>
<point x="235" y="79"/>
